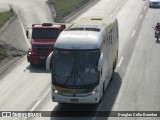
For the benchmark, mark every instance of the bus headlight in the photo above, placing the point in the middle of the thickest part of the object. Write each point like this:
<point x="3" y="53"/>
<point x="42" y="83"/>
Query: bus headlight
<point x="94" y="91"/>
<point x="54" y="89"/>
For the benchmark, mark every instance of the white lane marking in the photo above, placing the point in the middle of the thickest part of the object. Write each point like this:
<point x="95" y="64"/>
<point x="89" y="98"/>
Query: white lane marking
<point x="141" y="17"/>
<point x="115" y="11"/>
<point x="119" y="97"/>
<point x="39" y="101"/>
<point x="117" y="7"/>
<point x="98" y="109"/>
<point x="120" y="61"/>
<point x="145" y="7"/>
<point x="23" y="30"/>
<point x="133" y="33"/>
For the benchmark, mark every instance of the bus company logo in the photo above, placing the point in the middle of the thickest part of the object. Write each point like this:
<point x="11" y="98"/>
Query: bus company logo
<point x="6" y="114"/>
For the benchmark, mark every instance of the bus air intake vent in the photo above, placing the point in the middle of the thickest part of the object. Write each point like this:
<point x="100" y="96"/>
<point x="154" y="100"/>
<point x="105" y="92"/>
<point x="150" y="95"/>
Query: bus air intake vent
<point x="92" y="29"/>
<point x="96" y="19"/>
<point x="85" y="29"/>
<point x="76" y="28"/>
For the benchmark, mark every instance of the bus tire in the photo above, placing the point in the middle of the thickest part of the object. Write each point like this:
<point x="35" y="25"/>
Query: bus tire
<point x="116" y="60"/>
<point x="113" y="68"/>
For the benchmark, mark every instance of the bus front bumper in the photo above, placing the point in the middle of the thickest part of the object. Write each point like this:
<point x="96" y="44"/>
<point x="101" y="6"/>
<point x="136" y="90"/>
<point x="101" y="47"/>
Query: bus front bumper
<point x="89" y="99"/>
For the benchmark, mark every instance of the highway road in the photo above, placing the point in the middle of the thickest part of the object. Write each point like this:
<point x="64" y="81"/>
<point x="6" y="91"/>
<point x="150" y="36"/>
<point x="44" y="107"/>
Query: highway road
<point x="135" y="85"/>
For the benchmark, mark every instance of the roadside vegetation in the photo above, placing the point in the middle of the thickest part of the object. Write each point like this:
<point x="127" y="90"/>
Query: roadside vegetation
<point x="65" y="7"/>
<point x="3" y="54"/>
<point x="4" y="17"/>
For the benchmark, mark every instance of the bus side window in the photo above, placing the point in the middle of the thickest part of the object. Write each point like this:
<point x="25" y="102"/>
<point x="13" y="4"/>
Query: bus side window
<point x="110" y="39"/>
<point x="105" y="39"/>
<point x="111" y="35"/>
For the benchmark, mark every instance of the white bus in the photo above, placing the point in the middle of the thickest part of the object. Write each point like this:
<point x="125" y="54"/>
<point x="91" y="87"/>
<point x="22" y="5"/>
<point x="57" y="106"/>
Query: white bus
<point x="84" y="60"/>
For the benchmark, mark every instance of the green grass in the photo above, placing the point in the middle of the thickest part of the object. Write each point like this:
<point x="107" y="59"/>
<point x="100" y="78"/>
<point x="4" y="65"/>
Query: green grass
<point x="65" y="7"/>
<point x="3" y="54"/>
<point x="5" y="16"/>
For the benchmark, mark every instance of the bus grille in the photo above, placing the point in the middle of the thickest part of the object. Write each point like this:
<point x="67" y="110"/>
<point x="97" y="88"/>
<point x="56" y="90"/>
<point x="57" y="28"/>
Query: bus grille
<point x="43" y="48"/>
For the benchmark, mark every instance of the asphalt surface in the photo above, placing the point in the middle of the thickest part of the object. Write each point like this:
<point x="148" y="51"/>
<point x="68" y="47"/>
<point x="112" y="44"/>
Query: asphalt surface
<point x="135" y="85"/>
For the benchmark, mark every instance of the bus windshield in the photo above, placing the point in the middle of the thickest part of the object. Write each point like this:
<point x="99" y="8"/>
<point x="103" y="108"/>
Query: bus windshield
<point x="45" y="33"/>
<point x="76" y="68"/>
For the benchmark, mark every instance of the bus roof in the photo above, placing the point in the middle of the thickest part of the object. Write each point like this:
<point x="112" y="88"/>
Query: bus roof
<point x="78" y="40"/>
<point x="85" y="34"/>
<point x="94" y="22"/>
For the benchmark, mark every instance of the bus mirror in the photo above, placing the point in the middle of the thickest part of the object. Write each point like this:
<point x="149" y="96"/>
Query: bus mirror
<point x="48" y="61"/>
<point x="100" y="62"/>
<point x="27" y="33"/>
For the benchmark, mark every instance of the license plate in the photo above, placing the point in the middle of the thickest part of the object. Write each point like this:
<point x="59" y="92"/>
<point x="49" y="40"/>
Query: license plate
<point x="42" y="58"/>
<point x="74" y="100"/>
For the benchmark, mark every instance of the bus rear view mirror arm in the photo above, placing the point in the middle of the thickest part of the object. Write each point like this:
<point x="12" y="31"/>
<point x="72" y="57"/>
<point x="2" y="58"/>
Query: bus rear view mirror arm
<point x="100" y="62"/>
<point x="48" y="61"/>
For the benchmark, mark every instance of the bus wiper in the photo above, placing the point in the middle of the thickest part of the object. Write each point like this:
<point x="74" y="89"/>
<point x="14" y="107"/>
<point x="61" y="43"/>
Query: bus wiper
<point x="70" y="75"/>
